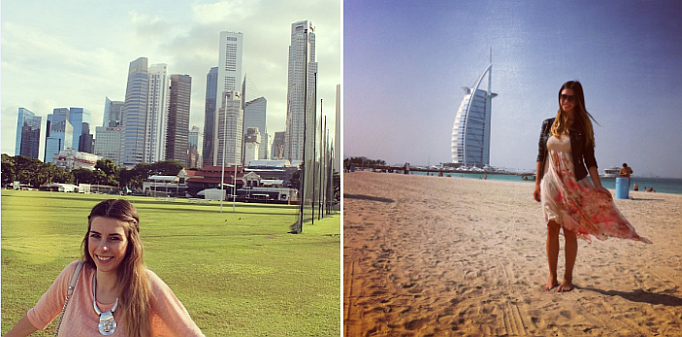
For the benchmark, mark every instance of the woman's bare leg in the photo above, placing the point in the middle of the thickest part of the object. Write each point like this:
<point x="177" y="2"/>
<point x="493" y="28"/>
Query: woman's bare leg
<point x="571" y="253"/>
<point x="552" y="254"/>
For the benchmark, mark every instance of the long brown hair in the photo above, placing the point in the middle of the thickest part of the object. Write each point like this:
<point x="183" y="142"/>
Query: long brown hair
<point x="134" y="289"/>
<point x="581" y="115"/>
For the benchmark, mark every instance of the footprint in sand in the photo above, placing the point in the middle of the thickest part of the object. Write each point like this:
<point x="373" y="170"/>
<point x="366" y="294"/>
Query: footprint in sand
<point x="415" y="325"/>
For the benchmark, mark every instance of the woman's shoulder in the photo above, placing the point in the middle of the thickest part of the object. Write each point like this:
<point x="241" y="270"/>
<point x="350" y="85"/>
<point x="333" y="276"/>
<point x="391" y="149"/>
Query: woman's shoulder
<point x="64" y="278"/>
<point x="70" y="269"/>
<point x="156" y="283"/>
<point x="547" y="124"/>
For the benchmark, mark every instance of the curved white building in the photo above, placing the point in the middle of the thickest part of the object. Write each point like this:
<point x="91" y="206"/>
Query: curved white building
<point x="471" y="130"/>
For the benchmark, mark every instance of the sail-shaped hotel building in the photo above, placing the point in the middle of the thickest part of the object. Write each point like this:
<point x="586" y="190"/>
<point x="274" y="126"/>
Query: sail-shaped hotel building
<point x="471" y="130"/>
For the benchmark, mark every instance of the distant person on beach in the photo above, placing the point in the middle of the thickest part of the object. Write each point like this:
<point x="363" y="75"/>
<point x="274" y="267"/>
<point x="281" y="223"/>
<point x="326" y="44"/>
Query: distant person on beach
<point x="569" y="200"/>
<point x="635" y="187"/>
<point x="113" y="291"/>
<point x="625" y="172"/>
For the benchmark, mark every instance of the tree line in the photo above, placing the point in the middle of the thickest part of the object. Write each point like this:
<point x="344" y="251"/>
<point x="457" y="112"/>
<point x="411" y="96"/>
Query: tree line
<point x="35" y="173"/>
<point x="363" y="162"/>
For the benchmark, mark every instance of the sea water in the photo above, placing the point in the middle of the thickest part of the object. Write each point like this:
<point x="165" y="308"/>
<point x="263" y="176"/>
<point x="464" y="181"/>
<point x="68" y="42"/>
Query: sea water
<point x="660" y="185"/>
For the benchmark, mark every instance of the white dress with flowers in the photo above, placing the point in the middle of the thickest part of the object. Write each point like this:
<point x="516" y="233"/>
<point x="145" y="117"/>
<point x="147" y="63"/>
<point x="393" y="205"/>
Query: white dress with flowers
<point x="577" y="205"/>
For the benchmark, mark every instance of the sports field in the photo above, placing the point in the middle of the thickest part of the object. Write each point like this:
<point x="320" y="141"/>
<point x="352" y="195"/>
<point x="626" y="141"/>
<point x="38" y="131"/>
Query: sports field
<point x="238" y="274"/>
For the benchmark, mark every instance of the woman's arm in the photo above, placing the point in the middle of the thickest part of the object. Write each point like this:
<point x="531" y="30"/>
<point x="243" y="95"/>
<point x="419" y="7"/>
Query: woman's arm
<point x="594" y="174"/>
<point x="542" y="153"/>
<point x="23" y="328"/>
<point x="538" y="178"/>
<point x="169" y="316"/>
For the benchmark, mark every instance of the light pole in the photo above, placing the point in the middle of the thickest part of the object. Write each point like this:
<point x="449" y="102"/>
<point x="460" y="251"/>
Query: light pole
<point x="222" y="174"/>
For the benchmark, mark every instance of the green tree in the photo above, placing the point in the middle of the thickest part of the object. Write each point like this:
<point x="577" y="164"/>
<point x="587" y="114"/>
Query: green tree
<point x="111" y="171"/>
<point x="57" y="174"/>
<point x="165" y="168"/>
<point x="136" y="176"/>
<point x="364" y="162"/>
<point x="125" y="177"/>
<point x="30" y="171"/>
<point x="8" y="169"/>
<point x="82" y="176"/>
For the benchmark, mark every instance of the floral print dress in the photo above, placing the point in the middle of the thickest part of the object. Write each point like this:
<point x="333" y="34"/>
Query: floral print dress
<point x="577" y="205"/>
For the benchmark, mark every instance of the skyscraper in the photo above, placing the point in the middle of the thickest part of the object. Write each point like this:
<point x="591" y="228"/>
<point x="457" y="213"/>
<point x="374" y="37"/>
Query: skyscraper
<point x="177" y="138"/>
<point x="471" y="130"/>
<point x="229" y="77"/>
<point x="301" y="90"/>
<point x="230" y="133"/>
<point x="157" y="113"/>
<point x="80" y="120"/>
<point x="255" y="115"/>
<point x="87" y="143"/>
<point x="210" y="115"/>
<point x="112" y="113"/>
<point x="194" y="160"/>
<point x="134" y="114"/>
<point x="277" y="152"/>
<point x="108" y="144"/>
<point x="59" y="133"/>
<point x="28" y="134"/>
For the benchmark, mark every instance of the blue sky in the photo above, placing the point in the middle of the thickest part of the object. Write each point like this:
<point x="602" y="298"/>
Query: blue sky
<point x="406" y="61"/>
<point x="73" y="53"/>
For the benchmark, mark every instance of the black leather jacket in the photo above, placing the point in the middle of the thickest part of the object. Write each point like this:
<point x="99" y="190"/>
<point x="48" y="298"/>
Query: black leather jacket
<point x="583" y="154"/>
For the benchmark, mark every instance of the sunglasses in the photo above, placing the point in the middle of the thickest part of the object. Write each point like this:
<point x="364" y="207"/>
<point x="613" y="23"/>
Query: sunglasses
<point x="568" y="98"/>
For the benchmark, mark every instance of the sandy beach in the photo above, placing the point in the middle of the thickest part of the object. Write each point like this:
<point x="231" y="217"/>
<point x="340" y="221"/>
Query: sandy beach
<point x="435" y="256"/>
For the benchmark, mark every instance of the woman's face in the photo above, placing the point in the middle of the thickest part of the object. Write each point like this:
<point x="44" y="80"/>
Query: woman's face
<point x="567" y="100"/>
<point x="107" y="243"/>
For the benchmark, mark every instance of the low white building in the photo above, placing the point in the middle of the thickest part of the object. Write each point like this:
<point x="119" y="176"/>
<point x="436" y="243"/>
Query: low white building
<point x="71" y="159"/>
<point x="59" y="187"/>
<point x="158" y="185"/>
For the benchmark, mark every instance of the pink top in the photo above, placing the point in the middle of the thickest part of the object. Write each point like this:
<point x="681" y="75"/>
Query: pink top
<point x="169" y="317"/>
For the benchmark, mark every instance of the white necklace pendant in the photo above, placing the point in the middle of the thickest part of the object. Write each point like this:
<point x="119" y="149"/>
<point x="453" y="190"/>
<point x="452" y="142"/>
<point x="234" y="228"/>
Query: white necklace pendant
<point x="107" y="324"/>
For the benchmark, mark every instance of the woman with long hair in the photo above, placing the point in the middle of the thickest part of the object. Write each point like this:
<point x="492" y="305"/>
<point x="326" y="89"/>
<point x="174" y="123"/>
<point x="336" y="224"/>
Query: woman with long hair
<point x="114" y="293"/>
<point x="569" y="200"/>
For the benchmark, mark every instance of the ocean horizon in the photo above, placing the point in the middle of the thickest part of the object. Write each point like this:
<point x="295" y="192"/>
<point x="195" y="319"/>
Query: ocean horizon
<point x="660" y="185"/>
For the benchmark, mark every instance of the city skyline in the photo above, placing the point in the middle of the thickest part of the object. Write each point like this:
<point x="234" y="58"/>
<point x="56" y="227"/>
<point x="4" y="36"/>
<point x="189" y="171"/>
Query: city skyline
<point x="404" y="64"/>
<point x="72" y="66"/>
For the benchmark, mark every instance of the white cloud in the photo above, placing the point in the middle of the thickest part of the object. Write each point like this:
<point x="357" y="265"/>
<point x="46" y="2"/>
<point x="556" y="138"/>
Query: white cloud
<point x="224" y="11"/>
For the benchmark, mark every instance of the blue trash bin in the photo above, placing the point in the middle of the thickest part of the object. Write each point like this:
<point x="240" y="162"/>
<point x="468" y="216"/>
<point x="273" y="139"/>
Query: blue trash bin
<point x="622" y="188"/>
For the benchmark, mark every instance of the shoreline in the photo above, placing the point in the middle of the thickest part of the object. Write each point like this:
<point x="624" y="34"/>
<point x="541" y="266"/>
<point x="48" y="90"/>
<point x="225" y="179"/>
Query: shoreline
<point x="492" y="176"/>
<point x="467" y="257"/>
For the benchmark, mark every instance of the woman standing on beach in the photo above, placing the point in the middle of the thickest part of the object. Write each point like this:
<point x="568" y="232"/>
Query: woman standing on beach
<point x="114" y="293"/>
<point x="569" y="200"/>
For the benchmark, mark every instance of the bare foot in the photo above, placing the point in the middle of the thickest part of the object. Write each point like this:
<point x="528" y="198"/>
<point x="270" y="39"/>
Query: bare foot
<point x="551" y="284"/>
<point x="565" y="287"/>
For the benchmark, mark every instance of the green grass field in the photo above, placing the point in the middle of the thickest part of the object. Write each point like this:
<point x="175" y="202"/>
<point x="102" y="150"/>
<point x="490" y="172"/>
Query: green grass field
<point x="238" y="274"/>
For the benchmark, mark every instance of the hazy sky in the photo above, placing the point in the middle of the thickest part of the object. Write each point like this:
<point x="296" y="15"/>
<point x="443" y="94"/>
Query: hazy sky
<point x="406" y="61"/>
<point x="74" y="53"/>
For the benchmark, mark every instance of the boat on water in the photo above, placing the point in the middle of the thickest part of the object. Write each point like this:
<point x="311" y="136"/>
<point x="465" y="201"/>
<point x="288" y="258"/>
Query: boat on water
<point x="610" y="173"/>
<point x="528" y="178"/>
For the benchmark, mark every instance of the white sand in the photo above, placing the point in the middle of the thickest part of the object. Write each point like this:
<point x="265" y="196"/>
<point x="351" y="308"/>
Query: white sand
<point x="462" y="257"/>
